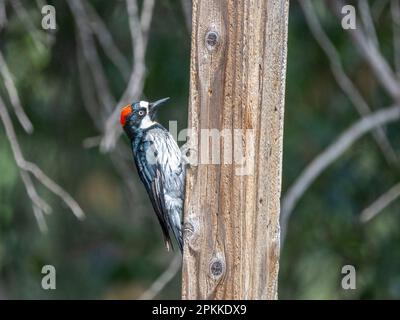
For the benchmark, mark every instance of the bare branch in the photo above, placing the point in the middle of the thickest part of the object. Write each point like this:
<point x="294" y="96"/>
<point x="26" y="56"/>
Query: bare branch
<point x="145" y="20"/>
<point x="373" y="57"/>
<point x="27" y="22"/>
<point x="381" y="203"/>
<point x="39" y="205"/>
<point x="344" y="81"/>
<point x="41" y="221"/>
<point x="159" y="284"/>
<point x="90" y="53"/>
<point x="329" y="155"/>
<point x="106" y="41"/>
<point x="368" y="22"/>
<point x="13" y="94"/>
<point x="55" y="188"/>
<point x="139" y="34"/>
<point x="395" y="12"/>
<point x="90" y="99"/>
<point x="41" y="3"/>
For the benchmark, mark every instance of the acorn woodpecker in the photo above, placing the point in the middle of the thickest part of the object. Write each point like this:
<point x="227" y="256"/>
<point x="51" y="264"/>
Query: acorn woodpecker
<point x="159" y="163"/>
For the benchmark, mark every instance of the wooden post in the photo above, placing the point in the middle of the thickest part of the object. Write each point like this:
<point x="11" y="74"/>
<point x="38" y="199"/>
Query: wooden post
<point x="237" y="81"/>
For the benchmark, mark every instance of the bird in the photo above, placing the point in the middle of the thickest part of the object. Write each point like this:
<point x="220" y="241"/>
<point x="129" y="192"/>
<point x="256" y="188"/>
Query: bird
<point x="159" y="163"/>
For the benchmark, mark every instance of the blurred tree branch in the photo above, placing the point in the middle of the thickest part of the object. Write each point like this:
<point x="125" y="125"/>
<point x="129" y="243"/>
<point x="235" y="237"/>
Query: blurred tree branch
<point x="372" y="55"/>
<point x="27" y="22"/>
<point x="13" y="94"/>
<point x="395" y="12"/>
<point x="106" y="40"/>
<point x="91" y="56"/>
<point x="28" y="169"/>
<point x="366" y="17"/>
<point x="329" y="155"/>
<point x="40" y="207"/>
<point x="367" y="44"/>
<point x="381" y="203"/>
<point x="344" y="81"/>
<point x="159" y="284"/>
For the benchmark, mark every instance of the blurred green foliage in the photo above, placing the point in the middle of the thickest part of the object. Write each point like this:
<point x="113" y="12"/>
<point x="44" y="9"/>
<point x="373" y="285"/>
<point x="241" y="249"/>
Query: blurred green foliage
<point x="117" y="251"/>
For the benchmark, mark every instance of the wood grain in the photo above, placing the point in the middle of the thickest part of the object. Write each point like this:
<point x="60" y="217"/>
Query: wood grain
<point x="237" y="81"/>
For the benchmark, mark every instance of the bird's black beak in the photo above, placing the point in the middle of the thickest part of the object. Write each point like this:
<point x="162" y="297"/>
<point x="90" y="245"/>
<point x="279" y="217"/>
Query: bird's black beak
<point x="153" y="107"/>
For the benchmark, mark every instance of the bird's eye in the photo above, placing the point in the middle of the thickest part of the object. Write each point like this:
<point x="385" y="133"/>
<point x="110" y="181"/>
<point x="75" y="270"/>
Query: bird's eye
<point x="141" y="113"/>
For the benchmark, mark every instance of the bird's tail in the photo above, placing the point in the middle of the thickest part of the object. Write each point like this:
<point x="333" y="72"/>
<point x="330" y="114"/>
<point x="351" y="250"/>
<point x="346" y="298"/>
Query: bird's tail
<point x="177" y="231"/>
<point x="175" y="225"/>
<point x="179" y="240"/>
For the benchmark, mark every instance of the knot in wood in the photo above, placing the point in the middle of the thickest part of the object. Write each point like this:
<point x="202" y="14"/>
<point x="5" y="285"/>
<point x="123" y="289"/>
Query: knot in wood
<point x="212" y="38"/>
<point x="217" y="267"/>
<point x="188" y="230"/>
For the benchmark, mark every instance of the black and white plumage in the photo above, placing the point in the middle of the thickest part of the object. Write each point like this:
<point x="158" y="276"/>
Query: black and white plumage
<point x="159" y="163"/>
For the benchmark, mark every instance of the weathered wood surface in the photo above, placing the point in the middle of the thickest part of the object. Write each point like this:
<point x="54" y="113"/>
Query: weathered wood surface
<point x="237" y="81"/>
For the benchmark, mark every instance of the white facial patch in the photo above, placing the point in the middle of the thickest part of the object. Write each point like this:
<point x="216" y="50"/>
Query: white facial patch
<point x="144" y="104"/>
<point x="146" y="122"/>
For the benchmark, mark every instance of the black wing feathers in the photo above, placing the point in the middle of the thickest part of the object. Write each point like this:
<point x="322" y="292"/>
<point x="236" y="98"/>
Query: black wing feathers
<point x="151" y="176"/>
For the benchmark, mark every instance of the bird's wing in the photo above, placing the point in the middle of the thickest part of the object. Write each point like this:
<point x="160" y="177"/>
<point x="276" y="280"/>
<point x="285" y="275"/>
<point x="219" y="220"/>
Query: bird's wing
<point x="150" y="175"/>
<point x="158" y="157"/>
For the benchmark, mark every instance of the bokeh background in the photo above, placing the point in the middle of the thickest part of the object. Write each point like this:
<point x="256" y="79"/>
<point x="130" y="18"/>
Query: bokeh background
<point x="117" y="250"/>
